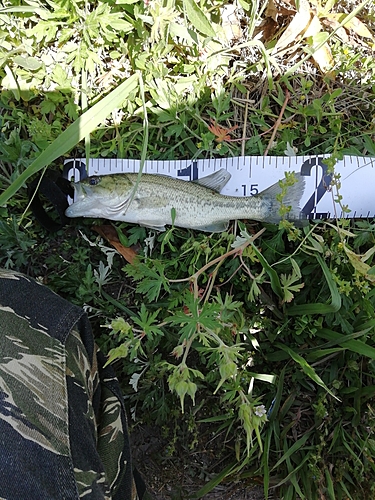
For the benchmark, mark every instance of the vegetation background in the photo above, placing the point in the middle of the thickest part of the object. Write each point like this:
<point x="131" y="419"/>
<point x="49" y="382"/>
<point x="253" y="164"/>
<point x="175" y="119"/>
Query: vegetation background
<point x="246" y="357"/>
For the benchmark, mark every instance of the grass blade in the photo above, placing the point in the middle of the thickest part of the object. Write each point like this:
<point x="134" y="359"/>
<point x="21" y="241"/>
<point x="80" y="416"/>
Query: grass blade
<point x="293" y="471"/>
<point x="308" y="369"/>
<point x="295" y="447"/>
<point x="353" y="345"/>
<point x="274" y="277"/>
<point x="319" y="308"/>
<point x="85" y="124"/>
<point x="265" y="461"/>
<point x="279" y="393"/>
<point x="330" y="486"/>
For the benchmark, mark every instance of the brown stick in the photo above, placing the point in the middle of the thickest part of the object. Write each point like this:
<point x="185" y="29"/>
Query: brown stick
<point x="278" y="122"/>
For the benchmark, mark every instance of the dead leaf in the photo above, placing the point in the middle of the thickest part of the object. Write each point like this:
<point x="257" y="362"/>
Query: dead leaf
<point x="109" y="233"/>
<point x="269" y="28"/>
<point x="323" y="58"/>
<point x="279" y="8"/>
<point x="271" y="10"/>
<point x="221" y="133"/>
<point x="231" y="23"/>
<point x="359" y="265"/>
<point x="354" y="24"/>
<point x="313" y="28"/>
<point x="298" y="25"/>
<point x="333" y="24"/>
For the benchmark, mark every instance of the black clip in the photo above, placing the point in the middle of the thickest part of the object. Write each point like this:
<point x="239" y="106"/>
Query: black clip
<point x="56" y="189"/>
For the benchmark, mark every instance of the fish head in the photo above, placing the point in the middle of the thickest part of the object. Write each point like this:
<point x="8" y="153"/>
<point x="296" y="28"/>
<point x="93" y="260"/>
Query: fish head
<point x="100" y="196"/>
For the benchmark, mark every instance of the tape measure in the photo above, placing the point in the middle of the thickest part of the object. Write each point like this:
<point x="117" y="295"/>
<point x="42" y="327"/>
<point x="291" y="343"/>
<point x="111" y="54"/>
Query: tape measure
<point x="252" y="174"/>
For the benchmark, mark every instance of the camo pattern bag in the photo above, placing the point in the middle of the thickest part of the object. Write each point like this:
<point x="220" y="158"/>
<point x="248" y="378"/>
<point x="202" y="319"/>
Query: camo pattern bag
<point x="63" y="430"/>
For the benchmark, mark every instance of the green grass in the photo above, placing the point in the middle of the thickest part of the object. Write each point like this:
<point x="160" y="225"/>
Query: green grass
<point x="209" y="337"/>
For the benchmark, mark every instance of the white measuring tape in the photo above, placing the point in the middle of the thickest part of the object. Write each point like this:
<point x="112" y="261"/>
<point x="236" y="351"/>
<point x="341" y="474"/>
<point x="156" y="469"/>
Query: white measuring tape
<point x="252" y="174"/>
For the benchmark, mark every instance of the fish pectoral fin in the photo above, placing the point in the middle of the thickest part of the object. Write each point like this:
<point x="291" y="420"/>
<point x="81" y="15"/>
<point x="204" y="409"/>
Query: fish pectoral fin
<point x="216" y="227"/>
<point x="215" y="181"/>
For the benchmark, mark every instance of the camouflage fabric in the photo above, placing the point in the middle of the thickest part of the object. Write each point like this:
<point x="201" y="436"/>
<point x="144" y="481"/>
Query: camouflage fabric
<point x="63" y="430"/>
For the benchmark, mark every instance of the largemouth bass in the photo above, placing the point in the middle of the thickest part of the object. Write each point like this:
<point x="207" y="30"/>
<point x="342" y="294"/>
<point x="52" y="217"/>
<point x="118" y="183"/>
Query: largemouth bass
<point x="159" y="200"/>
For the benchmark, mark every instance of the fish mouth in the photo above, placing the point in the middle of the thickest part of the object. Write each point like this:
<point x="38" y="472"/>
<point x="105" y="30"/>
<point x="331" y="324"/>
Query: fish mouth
<point x="83" y="203"/>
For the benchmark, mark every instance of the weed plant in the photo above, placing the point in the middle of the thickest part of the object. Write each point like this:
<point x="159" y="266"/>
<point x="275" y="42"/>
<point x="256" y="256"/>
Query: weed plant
<point x="254" y="346"/>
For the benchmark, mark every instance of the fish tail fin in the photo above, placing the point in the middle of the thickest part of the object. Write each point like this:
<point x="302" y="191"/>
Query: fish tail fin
<point x="291" y="199"/>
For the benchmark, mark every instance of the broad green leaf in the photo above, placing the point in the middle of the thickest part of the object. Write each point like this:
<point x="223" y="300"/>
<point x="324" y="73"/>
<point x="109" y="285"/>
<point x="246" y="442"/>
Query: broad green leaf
<point x="182" y="32"/>
<point x="197" y="18"/>
<point x="85" y="124"/>
<point x="28" y="62"/>
<point x="121" y="25"/>
<point x="217" y="418"/>
<point x="322" y="353"/>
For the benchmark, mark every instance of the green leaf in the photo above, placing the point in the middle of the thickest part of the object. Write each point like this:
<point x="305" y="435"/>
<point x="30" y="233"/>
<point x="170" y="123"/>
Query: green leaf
<point x="275" y="282"/>
<point x="270" y="379"/>
<point x="353" y="345"/>
<point x="277" y="400"/>
<point x="244" y="5"/>
<point x="319" y="308"/>
<point x="146" y="321"/>
<point x="215" y="481"/>
<point x="295" y="447"/>
<point x="309" y="370"/>
<point x="30" y="63"/>
<point x="120" y="25"/>
<point x="293" y="473"/>
<point x="20" y="9"/>
<point x="151" y="280"/>
<point x="197" y="18"/>
<point x="117" y="303"/>
<point x="14" y="87"/>
<point x="85" y="124"/>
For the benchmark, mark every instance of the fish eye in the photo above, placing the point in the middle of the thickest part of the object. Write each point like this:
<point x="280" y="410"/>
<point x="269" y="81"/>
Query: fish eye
<point x="93" y="181"/>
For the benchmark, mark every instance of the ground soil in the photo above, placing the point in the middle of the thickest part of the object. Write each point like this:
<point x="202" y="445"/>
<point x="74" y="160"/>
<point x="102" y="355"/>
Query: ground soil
<point x="180" y="477"/>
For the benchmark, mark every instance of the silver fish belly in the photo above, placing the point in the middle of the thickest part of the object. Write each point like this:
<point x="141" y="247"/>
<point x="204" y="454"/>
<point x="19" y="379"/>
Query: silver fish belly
<point x="159" y="200"/>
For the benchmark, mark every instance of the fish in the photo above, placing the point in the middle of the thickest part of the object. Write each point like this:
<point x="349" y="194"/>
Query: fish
<point x="159" y="200"/>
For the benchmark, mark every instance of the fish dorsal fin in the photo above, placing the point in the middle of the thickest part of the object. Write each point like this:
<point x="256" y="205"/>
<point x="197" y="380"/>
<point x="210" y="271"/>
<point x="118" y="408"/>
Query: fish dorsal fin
<point x="215" y="181"/>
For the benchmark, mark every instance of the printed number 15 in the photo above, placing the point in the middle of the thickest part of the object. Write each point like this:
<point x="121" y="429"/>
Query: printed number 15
<point x="252" y="191"/>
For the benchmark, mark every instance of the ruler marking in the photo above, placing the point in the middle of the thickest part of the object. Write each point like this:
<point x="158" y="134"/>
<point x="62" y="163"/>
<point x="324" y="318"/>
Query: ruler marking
<point x="355" y="189"/>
